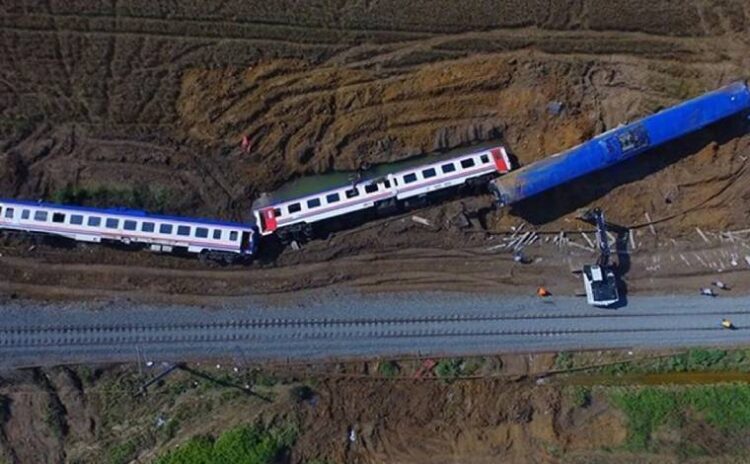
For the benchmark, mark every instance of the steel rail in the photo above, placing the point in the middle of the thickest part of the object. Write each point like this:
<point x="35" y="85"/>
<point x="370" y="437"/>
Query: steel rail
<point x="343" y="322"/>
<point x="88" y="339"/>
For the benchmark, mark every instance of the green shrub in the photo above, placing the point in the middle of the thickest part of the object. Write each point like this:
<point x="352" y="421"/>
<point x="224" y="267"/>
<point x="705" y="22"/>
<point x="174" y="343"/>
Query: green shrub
<point x="301" y="393"/>
<point x="449" y="368"/>
<point x="241" y="445"/>
<point x="471" y="366"/>
<point x="580" y="396"/>
<point x="388" y="368"/>
<point x="564" y="361"/>
<point x="123" y="453"/>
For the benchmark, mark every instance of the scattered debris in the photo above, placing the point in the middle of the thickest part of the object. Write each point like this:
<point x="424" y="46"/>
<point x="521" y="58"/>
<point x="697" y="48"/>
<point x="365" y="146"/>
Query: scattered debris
<point x="703" y="236"/>
<point x="650" y="224"/>
<point x="516" y="230"/>
<point x="31" y="248"/>
<point x="245" y="143"/>
<point x="578" y="245"/>
<point x="588" y="240"/>
<point x="295" y="246"/>
<point x="721" y="285"/>
<point x="543" y="292"/>
<point x="555" y="107"/>
<point x="352" y="435"/>
<point x="426" y="367"/>
<point x="421" y="220"/>
<point x="461" y="220"/>
<point x="707" y="292"/>
<point x="727" y="324"/>
<point x="631" y="236"/>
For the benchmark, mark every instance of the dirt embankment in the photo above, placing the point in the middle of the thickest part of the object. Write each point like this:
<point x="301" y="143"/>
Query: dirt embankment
<point x="93" y="415"/>
<point x="151" y="94"/>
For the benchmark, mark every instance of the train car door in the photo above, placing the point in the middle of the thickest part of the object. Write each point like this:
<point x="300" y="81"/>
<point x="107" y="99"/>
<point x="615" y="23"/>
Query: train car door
<point x="246" y="244"/>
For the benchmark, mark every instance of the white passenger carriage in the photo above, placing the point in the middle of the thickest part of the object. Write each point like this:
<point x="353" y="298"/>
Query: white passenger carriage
<point x="216" y="239"/>
<point x="274" y="215"/>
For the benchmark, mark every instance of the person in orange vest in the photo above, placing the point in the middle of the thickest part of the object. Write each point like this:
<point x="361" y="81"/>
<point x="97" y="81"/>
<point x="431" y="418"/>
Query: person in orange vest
<point x="541" y="291"/>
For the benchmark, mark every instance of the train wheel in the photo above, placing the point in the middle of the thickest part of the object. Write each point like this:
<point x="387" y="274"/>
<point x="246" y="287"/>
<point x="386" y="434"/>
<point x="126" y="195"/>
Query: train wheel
<point x="307" y="232"/>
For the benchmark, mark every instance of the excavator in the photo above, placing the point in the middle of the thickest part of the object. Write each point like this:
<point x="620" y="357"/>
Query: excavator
<point x="599" y="280"/>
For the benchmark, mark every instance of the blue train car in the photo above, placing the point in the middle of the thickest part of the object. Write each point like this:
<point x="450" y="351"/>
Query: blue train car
<point x="622" y="143"/>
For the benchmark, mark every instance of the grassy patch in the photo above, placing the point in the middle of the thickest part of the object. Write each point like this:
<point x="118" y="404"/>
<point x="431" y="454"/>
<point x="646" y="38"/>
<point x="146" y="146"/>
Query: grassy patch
<point x="564" y="361"/>
<point x="246" y="444"/>
<point x="123" y="452"/>
<point x="580" y="396"/>
<point x="698" y="359"/>
<point x="726" y="407"/>
<point x="154" y="199"/>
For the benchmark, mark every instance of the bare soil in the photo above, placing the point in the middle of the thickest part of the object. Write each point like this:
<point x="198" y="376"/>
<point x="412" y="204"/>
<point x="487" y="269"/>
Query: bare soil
<point x="136" y="93"/>
<point x="144" y="94"/>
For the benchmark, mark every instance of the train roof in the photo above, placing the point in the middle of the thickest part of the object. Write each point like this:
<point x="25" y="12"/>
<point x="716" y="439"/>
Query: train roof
<point x="311" y="185"/>
<point x="126" y="212"/>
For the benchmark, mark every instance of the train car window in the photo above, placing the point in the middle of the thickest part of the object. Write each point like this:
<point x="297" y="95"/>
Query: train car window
<point x="277" y="212"/>
<point x="233" y="236"/>
<point x="165" y="228"/>
<point x="427" y="173"/>
<point x="332" y="197"/>
<point x="76" y="219"/>
<point x="484" y="159"/>
<point x="467" y="163"/>
<point x="351" y="193"/>
<point x="58" y="217"/>
<point x="217" y="234"/>
<point x="9" y="213"/>
<point x="387" y="183"/>
<point x="147" y="227"/>
<point x="183" y="230"/>
<point x="201" y="232"/>
<point x="409" y="178"/>
<point x="94" y="221"/>
<point x="40" y="216"/>
<point x="446" y="168"/>
<point x="25" y="214"/>
<point x="371" y="188"/>
<point x="129" y="225"/>
<point x="294" y="208"/>
<point x="313" y="203"/>
<point x="112" y="223"/>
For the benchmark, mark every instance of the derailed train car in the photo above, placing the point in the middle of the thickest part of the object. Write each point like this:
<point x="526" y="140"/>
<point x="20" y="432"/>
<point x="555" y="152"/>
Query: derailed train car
<point x="218" y="240"/>
<point x="622" y="143"/>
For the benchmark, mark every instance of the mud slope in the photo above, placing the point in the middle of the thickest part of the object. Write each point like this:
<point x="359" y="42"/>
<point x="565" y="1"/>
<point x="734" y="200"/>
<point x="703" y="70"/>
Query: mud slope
<point x="131" y="94"/>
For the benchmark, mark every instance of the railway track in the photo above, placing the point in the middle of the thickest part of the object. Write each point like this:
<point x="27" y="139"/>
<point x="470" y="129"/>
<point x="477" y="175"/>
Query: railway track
<point x="324" y="326"/>
<point x="453" y="325"/>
